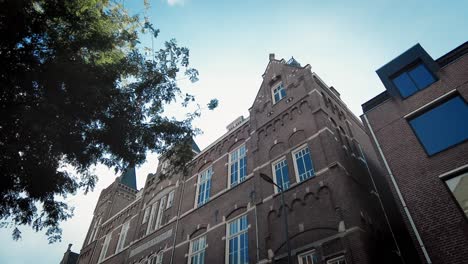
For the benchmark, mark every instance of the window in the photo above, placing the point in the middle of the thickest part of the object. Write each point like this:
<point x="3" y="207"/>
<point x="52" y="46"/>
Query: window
<point x="278" y="93"/>
<point x="95" y="230"/>
<point x="204" y="186"/>
<point x="281" y="175"/>
<point x="197" y="251"/>
<point x="156" y="259"/>
<point x="410" y="81"/>
<point x="237" y="237"/>
<point x="102" y="256"/>
<point x="146" y="215"/>
<point x="308" y="258"/>
<point x="170" y="199"/>
<point x="152" y="218"/>
<point x="303" y="164"/>
<point x="442" y="126"/>
<point x="459" y="187"/>
<point x="237" y="166"/>
<point x="159" y="218"/>
<point x="122" y="237"/>
<point x="338" y="260"/>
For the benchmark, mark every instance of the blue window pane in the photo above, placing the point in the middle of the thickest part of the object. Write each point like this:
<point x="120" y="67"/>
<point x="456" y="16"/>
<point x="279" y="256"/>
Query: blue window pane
<point x="405" y="85"/>
<point x="283" y="93"/>
<point x="234" y="173"/>
<point x="277" y="97"/>
<point x="421" y="76"/>
<point x="443" y="126"/>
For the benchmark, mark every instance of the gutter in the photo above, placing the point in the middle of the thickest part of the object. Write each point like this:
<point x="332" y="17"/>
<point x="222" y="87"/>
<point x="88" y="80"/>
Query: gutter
<point x="177" y="221"/>
<point x="400" y="196"/>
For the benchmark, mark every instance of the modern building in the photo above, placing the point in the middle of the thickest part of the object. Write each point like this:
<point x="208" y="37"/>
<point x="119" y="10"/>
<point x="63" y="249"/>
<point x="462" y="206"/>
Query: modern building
<point x="301" y="135"/>
<point x="419" y="126"/>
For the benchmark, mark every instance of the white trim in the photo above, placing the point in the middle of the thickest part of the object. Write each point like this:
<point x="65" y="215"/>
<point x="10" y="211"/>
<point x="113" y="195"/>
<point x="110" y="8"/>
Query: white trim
<point x="454" y="171"/>
<point x="122" y="237"/>
<point x="170" y="199"/>
<point x="104" y="248"/>
<point x="307" y="253"/>
<point x="341" y="257"/>
<point x="293" y="153"/>
<point x="190" y="254"/>
<point x="273" y="92"/>
<point x="227" y="237"/>
<point x="273" y="164"/>
<point x="430" y="104"/>
<point x="197" y="186"/>
<point x="239" y="169"/>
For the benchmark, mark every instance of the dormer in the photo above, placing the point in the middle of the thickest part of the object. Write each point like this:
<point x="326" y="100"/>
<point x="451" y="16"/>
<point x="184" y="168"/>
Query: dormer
<point x="409" y="73"/>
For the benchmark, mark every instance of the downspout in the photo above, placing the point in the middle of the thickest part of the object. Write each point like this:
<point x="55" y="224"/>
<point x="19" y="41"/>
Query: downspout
<point x="400" y="196"/>
<point x="177" y="222"/>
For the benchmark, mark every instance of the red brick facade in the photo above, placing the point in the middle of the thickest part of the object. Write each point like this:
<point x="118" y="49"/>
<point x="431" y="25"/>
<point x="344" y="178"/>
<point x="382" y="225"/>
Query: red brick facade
<point x="334" y="213"/>
<point x="437" y="217"/>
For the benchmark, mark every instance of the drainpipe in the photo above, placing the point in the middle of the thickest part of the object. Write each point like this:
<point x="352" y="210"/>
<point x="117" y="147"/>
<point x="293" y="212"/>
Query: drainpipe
<point x="177" y="221"/>
<point x="400" y="196"/>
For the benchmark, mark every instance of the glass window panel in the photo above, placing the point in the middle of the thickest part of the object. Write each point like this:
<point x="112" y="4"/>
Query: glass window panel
<point x="405" y="85"/>
<point x="442" y="126"/>
<point x="459" y="187"/>
<point x="421" y="76"/>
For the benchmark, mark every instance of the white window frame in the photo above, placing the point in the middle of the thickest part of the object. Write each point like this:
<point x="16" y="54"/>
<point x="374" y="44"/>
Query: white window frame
<point x="170" y="199"/>
<point x="156" y="259"/>
<point x="146" y="215"/>
<point x="149" y="228"/>
<point x="279" y="91"/>
<point x="307" y="253"/>
<point x="199" y="182"/>
<point x="273" y="164"/>
<point x="335" y="260"/>
<point x="104" y="248"/>
<point x="122" y="237"/>
<point x="238" y="234"/>
<point x="199" y="251"/>
<point x="94" y="231"/>
<point x="162" y="204"/>
<point x="296" y="171"/>
<point x="238" y="161"/>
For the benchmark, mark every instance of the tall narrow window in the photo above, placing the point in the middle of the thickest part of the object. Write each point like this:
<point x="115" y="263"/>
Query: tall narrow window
<point x="303" y="164"/>
<point x="237" y="166"/>
<point x="278" y="93"/>
<point x="122" y="237"/>
<point x="197" y="251"/>
<point x="105" y="246"/>
<point x="281" y="175"/>
<point x="152" y="219"/>
<point x="170" y="199"/>
<point x="414" y="79"/>
<point x="204" y="186"/>
<point x="94" y="231"/>
<point x="146" y="215"/>
<point x="308" y="258"/>
<point x="159" y="218"/>
<point x="238" y="247"/>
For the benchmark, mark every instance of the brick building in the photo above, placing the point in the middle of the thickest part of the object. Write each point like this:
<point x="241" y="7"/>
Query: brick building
<point x="419" y="126"/>
<point x="299" y="133"/>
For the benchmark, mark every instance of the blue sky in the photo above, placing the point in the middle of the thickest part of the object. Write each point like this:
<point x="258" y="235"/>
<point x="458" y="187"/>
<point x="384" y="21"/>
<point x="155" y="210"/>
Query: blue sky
<point x="229" y="44"/>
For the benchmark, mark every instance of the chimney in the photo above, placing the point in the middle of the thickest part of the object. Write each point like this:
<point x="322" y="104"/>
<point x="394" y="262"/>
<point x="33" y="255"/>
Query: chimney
<point x="272" y="56"/>
<point x="69" y="247"/>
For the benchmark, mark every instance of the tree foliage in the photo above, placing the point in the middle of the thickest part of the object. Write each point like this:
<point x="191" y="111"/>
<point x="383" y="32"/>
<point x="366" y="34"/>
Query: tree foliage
<point x="76" y="91"/>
